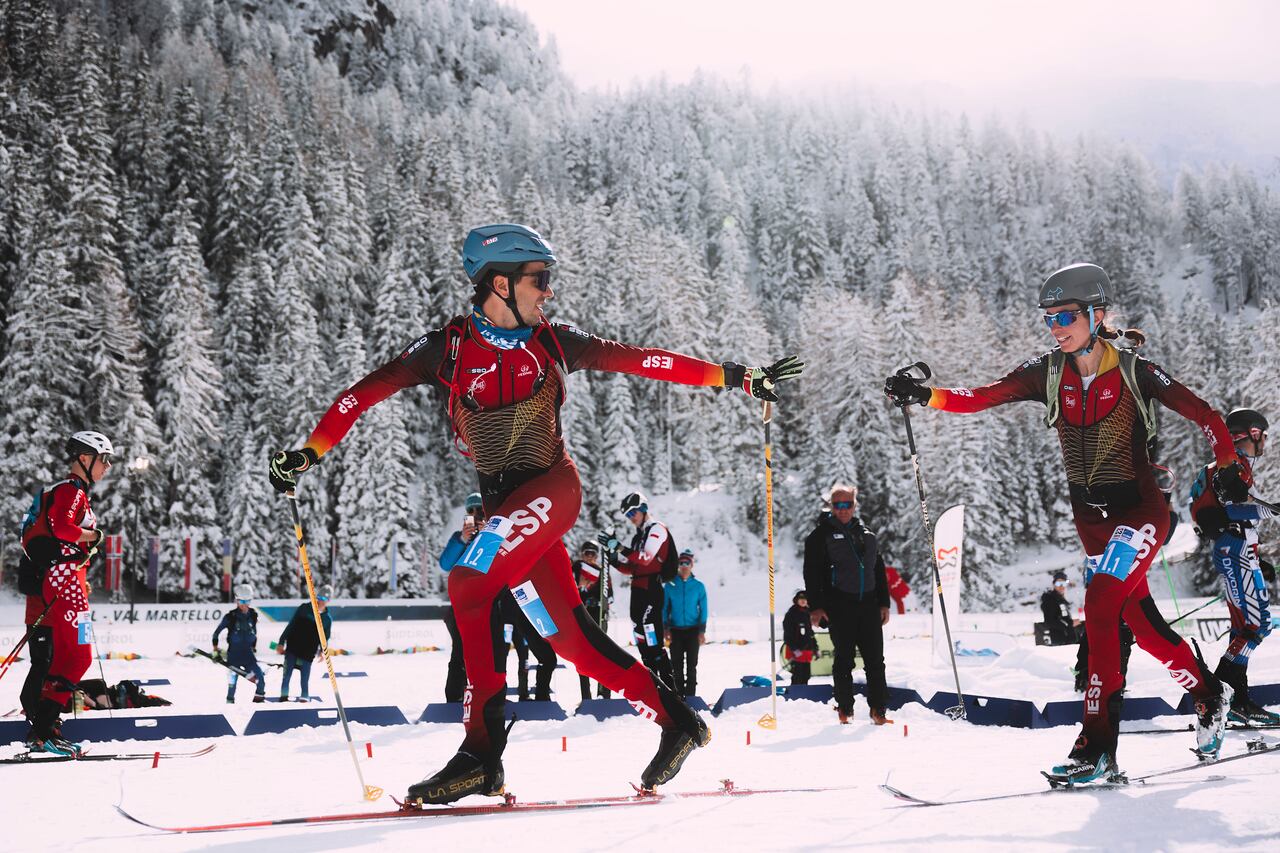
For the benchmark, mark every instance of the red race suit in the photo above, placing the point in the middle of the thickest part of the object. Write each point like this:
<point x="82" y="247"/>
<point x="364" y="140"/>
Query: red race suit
<point x="52" y="541"/>
<point x="1120" y="514"/>
<point x="504" y="402"/>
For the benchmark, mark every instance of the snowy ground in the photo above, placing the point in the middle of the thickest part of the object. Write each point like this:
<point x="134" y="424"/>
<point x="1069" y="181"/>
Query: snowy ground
<point x="308" y="771"/>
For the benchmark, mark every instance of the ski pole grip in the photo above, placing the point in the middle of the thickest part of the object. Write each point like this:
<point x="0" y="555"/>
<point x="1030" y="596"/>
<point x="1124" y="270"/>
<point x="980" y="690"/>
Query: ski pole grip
<point x="918" y="371"/>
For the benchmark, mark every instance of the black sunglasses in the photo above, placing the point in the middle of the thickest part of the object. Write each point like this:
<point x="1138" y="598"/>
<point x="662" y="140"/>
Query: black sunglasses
<point x="541" y="279"/>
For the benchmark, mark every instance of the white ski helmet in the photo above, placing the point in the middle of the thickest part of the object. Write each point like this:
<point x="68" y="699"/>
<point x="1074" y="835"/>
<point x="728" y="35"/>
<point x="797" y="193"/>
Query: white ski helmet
<point x="87" y="441"/>
<point x="244" y="592"/>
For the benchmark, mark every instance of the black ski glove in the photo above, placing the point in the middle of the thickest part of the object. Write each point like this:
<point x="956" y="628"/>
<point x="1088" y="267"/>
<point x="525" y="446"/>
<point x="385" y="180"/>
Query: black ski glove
<point x="288" y="464"/>
<point x="1229" y="484"/>
<point x="760" y="382"/>
<point x="905" y="390"/>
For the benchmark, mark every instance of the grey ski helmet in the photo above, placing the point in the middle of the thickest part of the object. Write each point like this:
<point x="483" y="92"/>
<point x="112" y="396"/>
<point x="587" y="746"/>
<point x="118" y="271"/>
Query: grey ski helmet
<point x="1085" y="284"/>
<point x="87" y="441"/>
<point x="244" y="592"/>
<point x="1242" y="422"/>
<point x="633" y="501"/>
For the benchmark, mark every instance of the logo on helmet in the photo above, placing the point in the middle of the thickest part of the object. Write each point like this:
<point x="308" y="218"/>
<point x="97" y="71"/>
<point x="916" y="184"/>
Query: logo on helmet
<point x="492" y="239"/>
<point x="1056" y="293"/>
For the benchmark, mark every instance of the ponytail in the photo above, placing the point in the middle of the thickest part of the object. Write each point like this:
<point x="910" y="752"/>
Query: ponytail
<point x="1136" y="337"/>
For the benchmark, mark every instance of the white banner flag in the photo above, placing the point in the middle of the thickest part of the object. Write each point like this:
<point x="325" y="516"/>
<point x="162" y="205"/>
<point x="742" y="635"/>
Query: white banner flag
<point x="948" y="540"/>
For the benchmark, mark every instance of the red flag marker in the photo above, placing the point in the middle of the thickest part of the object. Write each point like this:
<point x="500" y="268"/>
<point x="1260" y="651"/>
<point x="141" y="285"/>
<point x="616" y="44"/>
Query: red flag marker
<point x="564" y="743"/>
<point x="748" y="737"/>
<point x="155" y="761"/>
<point x="368" y="748"/>
<point x="904" y="729"/>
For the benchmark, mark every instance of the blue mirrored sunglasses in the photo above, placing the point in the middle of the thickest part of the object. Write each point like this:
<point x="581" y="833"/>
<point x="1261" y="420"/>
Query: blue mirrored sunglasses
<point x="1062" y="318"/>
<point x="842" y="505"/>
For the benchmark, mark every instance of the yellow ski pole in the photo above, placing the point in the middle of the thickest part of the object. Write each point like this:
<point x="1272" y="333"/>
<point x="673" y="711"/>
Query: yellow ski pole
<point x="370" y="792"/>
<point x="770" y="720"/>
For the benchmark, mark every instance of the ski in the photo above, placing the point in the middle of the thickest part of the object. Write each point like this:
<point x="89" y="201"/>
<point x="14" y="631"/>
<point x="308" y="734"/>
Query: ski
<point x="46" y="758"/>
<point x="1189" y="727"/>
<point x="1256" y="748"/>
<point x="237" y="670"/>
<point x="508" y="805"/>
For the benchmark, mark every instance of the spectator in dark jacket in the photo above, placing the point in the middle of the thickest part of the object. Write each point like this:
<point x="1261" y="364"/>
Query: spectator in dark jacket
<point x="684" y="612"/>
<point x="300" y="642"/>
<point x="844" y="576"/>
<point x="797" y="635"/>
<point x="1056" y="613"/>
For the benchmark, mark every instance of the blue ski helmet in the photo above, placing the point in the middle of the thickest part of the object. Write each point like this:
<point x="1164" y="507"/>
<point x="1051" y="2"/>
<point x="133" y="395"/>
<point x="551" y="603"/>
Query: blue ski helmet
<point x="503" y="248"/>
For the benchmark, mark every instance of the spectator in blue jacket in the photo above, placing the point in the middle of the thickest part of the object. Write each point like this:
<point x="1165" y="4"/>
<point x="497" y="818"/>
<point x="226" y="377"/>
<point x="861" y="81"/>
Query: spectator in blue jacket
<point x="300" y="643"/>
<point x="455" y="682"/>
<point x="241" y="626"/>
<point x="684" y="612"/>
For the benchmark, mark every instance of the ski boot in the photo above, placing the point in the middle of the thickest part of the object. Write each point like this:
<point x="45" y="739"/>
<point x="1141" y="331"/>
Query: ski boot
<point x="464" y="774"/>
<point x="44" y="737"/>
<point x="845" y="714"/>
<point x="259" y="697"/>
<point x="1249" y="713"/>
<point x="673" y="749"/>
<point x="1085" y="766"/>
<point x="1211" y="722"/>
<point x="878" y="716"/>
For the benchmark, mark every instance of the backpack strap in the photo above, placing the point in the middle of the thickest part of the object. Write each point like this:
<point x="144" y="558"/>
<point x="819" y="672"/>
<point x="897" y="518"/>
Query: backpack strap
<point x="1052" y="381"/>
<point x="1146" y="408"/>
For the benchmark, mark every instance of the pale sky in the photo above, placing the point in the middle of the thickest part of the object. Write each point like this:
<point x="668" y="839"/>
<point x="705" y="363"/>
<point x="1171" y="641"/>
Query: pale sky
<point x="967" y="43"/>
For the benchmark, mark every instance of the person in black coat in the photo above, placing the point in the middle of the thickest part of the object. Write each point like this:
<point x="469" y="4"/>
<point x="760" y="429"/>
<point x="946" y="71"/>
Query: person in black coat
<point x="845" y="578"/>
<point x="797" y="634"/>
<point x="300" y="642"/>
<point x="1055" y="611"/>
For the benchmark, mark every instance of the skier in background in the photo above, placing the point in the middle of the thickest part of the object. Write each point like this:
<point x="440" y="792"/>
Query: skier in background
<point x="1231" y="529"/>
<point x="503" y="366"/>
<point x="593" y="586"/>
<point x="241" y="625"/>
<point x="59" y="535"/>
<point x="1101" y="401"/>
<point x="300" y="643"/>
<point x="649" y="560"/>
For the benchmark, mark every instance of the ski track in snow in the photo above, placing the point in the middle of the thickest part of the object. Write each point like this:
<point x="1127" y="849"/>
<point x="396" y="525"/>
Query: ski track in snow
<point x="309" y="771"/>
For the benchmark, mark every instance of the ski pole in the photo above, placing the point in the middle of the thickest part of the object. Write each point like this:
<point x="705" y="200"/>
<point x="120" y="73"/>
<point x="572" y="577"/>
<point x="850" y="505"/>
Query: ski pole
<point x="1213" y="600"/>
<point x="957" y="712"/>
<point x="770" y="720"/>
<point x="13" y="655"/>
<point x="1169" y="577"/>
<point x="369" y="792"/>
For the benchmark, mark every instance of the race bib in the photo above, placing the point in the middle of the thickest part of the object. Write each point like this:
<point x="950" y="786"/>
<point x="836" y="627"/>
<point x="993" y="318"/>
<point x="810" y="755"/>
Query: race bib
<point x="533" y="609"/>
<point x="650" y="635"/>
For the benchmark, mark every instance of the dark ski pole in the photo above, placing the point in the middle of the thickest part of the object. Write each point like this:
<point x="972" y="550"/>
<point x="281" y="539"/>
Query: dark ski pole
<point x="13" y="655"/>
<point x="369" y="792"/>
<point x="920" y="372"/>
<point x="1213" y="600"/>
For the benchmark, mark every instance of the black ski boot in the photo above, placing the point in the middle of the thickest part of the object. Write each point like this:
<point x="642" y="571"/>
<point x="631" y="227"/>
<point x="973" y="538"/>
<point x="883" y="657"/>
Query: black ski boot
<point x="464" y="774"/>
<point x="1243" y="709"/>
<point x="674" y="747"/>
